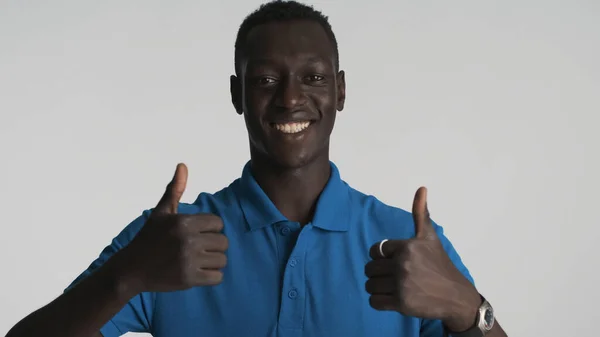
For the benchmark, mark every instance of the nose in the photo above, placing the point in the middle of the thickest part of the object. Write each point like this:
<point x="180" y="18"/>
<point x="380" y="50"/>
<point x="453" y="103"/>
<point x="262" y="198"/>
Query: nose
<point x="291" y="94"/>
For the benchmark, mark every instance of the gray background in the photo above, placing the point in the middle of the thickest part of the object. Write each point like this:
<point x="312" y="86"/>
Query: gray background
<point x="491" y="104"/>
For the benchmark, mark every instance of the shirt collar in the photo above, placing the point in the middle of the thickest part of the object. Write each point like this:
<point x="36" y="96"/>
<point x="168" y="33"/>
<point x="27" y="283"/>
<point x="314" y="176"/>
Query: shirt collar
<point x="331" y="213"/>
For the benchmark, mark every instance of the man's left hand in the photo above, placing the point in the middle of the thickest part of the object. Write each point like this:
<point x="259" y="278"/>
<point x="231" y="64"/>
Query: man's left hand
<point x="415" y="277"/>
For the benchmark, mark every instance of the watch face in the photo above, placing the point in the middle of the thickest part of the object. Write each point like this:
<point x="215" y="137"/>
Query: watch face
<point x="488" y="318"/>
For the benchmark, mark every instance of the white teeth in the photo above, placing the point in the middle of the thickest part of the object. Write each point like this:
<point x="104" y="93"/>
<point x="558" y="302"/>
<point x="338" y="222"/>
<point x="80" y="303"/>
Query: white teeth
<point x="293" y="127"/>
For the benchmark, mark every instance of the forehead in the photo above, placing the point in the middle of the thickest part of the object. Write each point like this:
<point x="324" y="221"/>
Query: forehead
<point x="288" y="42"/>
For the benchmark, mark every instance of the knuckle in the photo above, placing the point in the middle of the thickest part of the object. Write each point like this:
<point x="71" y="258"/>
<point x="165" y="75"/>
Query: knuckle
<point x="372" y="302"/>
<point x="376" y="303"/>
<point x="185" y="274"/>
<point x="374" y="251"/>
<point x="367" y="270"/>
<point x="218" y="277"/>
<point x="187" y="244"/>
<point x="222" y="260"/>
<point x="184" y="258"/>
<point x="405" y="265"/>
<point x="185" y="251"/>
<point x="224" y="242"/>
<point x="208" y="223"/>
<point x="217" y="222"/>
<point x="412" y="246"/>
<point x="210" y="277"/>
<point x="187" y="222"/>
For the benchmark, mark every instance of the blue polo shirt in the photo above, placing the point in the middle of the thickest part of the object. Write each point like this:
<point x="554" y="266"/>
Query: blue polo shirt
<point x="281" y="279"/>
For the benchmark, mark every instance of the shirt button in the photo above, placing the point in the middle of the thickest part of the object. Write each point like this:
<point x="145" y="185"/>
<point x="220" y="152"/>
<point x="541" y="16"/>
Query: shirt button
<point x="292" y="294"/>
<point x="285" y="231"/>
<point x="293" y="262"/>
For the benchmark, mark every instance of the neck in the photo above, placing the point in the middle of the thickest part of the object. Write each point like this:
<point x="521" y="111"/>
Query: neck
<point x="294" y="191"/>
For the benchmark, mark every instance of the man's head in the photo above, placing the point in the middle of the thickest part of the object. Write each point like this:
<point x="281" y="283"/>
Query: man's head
<point x="287" y="84"/>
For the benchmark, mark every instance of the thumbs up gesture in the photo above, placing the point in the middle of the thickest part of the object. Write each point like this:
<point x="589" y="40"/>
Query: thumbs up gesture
<point x="175" y="251"/>
<point x="417" y="278"/>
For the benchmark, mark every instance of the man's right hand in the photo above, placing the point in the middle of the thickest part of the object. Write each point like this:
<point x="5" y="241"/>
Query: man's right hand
<point x="175" y="251"/>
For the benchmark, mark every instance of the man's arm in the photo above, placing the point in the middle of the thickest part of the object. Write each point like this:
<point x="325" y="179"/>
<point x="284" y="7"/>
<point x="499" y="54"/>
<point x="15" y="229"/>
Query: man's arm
<point x="496" y="331"/>
<point x="82" y="310"/>
<point x="160" y="251"/>
<point x="466" y="320"/>
<point x="427" y="276"/>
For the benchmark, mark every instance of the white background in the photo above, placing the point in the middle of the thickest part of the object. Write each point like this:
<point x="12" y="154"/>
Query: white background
<point x="492" y="105"/>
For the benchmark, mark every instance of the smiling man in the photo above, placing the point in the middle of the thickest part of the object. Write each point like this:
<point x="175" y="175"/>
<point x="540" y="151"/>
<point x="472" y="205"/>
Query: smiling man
<point x="288" y="249"/>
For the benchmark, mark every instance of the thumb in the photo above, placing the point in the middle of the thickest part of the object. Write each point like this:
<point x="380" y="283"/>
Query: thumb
<point x="423" y="226"/>
<point x="169" y="202"/>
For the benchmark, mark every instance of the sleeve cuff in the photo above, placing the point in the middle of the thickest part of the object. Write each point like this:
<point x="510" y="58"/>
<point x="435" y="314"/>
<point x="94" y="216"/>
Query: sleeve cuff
<point x="110" y="330"/>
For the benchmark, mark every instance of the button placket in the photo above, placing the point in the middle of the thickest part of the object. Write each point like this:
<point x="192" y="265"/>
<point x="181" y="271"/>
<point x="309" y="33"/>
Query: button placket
<point x="293" y="299"/>
<point x="285" y="230"/>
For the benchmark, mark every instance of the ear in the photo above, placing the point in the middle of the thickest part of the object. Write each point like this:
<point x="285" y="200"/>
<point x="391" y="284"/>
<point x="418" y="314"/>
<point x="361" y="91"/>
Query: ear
<point x="236" y="93"/>
<point x="341" y="90"/>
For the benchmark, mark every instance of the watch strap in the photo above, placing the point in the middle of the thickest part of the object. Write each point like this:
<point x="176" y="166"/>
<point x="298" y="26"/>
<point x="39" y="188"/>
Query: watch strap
<point x="481" y="326"/>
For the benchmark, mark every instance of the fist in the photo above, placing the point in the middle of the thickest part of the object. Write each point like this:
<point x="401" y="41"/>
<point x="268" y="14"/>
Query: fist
<point x="176" y="251"/>
<point x="417" y="278"/>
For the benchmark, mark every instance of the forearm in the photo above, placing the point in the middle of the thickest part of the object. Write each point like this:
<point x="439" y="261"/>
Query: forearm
<point x="81" y="311"/>
<point x="496" y="331"/>
<point x="467" y="314"/>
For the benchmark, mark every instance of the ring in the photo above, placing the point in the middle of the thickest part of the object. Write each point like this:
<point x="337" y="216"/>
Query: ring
<point x="381" y="248"/>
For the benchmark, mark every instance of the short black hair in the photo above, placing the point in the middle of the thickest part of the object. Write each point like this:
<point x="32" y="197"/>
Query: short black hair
<point x="279" y="11"/>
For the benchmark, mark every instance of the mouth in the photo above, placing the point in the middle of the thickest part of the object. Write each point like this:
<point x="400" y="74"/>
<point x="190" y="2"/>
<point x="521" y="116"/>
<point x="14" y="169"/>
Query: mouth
<point x="291" y="127"/>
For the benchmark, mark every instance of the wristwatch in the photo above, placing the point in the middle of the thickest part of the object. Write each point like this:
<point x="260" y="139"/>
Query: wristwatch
<point x="483" y="323"/>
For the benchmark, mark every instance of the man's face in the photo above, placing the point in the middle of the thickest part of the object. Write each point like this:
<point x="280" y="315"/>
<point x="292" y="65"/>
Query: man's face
<point x="289" y="91"/>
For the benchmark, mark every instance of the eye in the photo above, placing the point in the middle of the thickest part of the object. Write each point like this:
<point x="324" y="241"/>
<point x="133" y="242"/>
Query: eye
<point x="315" y="78"/>
<point x="265" y="80"/>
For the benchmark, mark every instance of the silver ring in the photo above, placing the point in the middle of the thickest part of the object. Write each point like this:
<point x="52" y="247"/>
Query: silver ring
<point x="381" y="248"/>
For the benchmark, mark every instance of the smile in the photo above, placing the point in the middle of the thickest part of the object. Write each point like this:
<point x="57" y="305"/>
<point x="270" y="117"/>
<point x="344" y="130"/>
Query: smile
<point x="291" y="127"/>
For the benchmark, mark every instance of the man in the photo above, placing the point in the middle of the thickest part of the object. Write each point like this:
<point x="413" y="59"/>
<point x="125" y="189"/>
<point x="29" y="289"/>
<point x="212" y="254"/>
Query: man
<point x="289" y="249"/>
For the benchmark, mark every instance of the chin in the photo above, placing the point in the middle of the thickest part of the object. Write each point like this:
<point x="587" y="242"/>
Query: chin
<point x="289" y="156"/>
<point x="291" y="160"/>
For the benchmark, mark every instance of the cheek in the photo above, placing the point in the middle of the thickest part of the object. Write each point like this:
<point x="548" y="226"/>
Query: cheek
<point x="257" y="100"/>
<point x="252" y="124"/>
<point x="327" y="109"/>
<point x="326" y="100"/>
<point x="254" y="109"/>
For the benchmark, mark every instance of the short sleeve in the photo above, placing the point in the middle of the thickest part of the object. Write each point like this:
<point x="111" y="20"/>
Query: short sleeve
<point x="136" y="315"/>
<point x="435" y="328"/>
